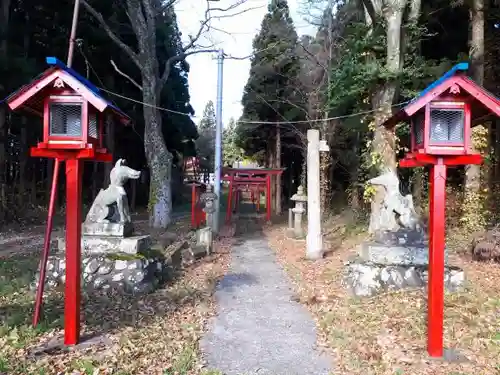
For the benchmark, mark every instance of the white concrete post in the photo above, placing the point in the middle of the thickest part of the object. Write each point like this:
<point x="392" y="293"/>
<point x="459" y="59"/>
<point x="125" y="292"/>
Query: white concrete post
<point x="314" y="237"/>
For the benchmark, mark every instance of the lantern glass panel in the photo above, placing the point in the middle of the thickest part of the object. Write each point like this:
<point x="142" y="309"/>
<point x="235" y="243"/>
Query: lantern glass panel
<point x="65" y="119"/>
<point x="93" y="126"/>
<point x="418" y="128"/>
<point x="447" y="126"/>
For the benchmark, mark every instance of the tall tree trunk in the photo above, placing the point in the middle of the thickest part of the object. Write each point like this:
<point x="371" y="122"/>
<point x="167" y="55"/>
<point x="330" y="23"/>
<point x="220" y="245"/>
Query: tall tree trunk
<point x="159" y="160"/>
<point x="4" y="26"/>
<point x="354" y="198"/>
<point x="383" y="140"/>
<point x="272" y="164"/>
<point x="325" y="160"/>
<point x="473" y="201"/>
<point x="23" y="161"/>
<point x="110" y="145"/>
<point x="23" y="157"/>
<point x="278" y="165"/>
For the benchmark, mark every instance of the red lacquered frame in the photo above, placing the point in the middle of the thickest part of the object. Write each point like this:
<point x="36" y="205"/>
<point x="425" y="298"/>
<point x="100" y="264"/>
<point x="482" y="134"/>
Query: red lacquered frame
<point x="454" y="90"/>
<point x="36" y="97"/>
<point x="458" y="148"/>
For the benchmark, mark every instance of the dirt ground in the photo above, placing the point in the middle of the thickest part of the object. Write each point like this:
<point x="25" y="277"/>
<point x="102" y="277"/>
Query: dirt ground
<point x="154" y="334"/>
<point x="386" y="334"/>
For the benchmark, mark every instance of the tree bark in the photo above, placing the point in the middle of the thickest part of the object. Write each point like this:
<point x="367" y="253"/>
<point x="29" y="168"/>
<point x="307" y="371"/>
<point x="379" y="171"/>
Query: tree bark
<point x="4" y="26"/>
<point x="278" y="165"/>
<point x="23" y="161"/>
<point x="473" y="172"/>
<point x="355" y="196"/>
<point x="159" y="162"/>
<point x="473" y="204"/>
<point x="110" y="145"/>
<point x="384" y="141"/>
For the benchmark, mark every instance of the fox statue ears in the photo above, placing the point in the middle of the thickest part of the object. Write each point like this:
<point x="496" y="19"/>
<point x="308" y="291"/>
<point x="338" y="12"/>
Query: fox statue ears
<point x="120" y="162"/>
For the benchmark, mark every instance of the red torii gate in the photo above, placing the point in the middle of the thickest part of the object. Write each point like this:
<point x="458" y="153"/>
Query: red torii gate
<point x="257" y="178"/>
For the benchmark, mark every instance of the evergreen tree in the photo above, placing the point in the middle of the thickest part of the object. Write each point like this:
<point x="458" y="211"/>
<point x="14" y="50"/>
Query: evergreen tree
<point x="231" y="152"/>
<point x="271" y="93"/>
<point x="205" y="144"/>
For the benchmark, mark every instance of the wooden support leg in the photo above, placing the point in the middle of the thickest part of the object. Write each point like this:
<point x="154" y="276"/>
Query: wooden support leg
<point x="74" y="169"/>
<point x="46" y="245"/>
<point x="435" y="310"/>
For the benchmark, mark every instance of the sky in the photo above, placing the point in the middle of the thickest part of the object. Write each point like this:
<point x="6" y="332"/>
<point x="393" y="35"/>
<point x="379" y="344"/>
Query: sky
<point x="234" y="35"/>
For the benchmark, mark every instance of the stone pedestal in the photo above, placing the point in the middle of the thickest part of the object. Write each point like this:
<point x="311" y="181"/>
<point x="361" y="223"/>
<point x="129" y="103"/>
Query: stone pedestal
<point x="108" y="229"/>
<point x="395" y="260"/>
<point x="112" y="257"/>
<point x="110" y="244"/>
<point x="132" y="274"/>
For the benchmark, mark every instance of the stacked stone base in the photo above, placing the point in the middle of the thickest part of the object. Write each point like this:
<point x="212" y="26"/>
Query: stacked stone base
<point x="364" y="279"/>
<point x="130" y="274"/>
<point x="395" y="260"/>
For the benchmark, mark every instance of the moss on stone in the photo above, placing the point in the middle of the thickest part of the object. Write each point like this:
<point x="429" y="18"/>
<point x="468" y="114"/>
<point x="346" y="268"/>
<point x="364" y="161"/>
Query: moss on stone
<point x="124" y="256"/>
<point x="153" y="252"/>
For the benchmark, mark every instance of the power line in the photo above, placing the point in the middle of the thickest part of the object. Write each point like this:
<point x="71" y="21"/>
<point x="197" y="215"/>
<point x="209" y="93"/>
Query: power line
<point x="146" y="104"/>
<point x="322" y="119"/>
<point x="285" y="121"/>
<point x="255" y="122"/>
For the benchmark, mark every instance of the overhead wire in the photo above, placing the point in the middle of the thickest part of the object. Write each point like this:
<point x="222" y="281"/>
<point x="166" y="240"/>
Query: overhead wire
<point x="257" y="121"/>
<point x="241" y="121"/>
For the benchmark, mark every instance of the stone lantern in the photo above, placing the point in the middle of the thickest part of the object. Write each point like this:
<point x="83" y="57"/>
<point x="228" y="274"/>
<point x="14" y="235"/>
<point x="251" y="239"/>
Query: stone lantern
<point x="208" y="198"/>
<point x="300" y="200"/>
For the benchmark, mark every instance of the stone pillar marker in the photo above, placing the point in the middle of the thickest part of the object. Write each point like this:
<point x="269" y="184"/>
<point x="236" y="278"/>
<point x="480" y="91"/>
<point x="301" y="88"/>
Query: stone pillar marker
<point x="300" y="200"/>
<point x="314" y="237"/>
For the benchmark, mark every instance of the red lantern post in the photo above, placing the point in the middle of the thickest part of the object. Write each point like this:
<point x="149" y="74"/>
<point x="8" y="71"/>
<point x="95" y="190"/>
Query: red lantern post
<point x="441" y="119"/>
<point x="72" y="110"/>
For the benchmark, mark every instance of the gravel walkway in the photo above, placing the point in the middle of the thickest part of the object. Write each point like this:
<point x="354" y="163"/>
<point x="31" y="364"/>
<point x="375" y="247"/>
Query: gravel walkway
<point x="258" y="328"/>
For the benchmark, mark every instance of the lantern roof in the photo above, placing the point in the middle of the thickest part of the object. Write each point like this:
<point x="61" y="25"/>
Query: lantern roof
<point x="30" y="97"/>
<point x="483" y="102"/>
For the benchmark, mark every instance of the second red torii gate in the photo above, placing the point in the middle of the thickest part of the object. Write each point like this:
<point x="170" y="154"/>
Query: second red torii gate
<point x="258" y="177"/>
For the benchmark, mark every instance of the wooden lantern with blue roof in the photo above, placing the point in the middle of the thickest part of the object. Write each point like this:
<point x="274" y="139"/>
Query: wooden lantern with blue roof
<point x="73" y="112"/>
<point x="442" y="116"/>
<point x="441" y="119"/>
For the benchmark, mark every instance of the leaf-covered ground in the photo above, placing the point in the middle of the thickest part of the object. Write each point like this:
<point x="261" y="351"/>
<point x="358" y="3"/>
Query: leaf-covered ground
<point x="387" y="334"/>
<point x="153" y="334"/>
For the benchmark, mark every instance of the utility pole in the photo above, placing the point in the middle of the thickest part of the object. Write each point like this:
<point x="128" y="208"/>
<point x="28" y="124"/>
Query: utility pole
<point x="218" y="140"/>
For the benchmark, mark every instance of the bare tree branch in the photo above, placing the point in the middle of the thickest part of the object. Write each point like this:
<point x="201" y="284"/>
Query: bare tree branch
<point x="371" y="10"/>
<point x="125" y="75"/>
<point x="189" y="48"/>
<point x="133" y="55"/>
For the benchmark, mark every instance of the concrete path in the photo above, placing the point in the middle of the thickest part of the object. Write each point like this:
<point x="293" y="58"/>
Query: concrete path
<point x="258" y="328"/>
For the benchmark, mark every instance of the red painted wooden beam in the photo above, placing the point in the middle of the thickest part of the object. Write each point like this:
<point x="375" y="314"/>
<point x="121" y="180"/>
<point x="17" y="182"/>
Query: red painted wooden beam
<point x="420" y="160"/>
<point x="435" y="308"/>
<point x="87" y="154"/>
<point x="74" y="170"/>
